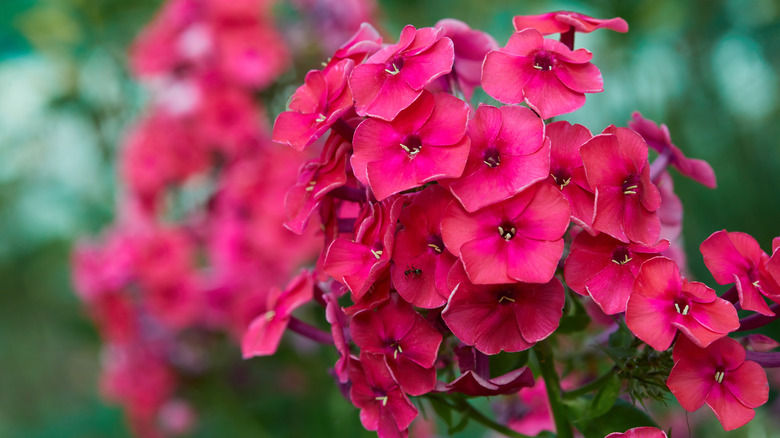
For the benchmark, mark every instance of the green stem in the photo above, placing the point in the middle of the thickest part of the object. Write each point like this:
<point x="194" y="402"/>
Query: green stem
<point x="547" y="366"/>
<point x="590" y="386"/>
<point x="465" y="407"/>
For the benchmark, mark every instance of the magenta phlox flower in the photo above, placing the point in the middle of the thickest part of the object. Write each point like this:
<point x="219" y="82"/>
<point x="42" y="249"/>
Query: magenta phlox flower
<point x="426" y="142"/>
<point x="567" y="172"/>
<point x="316" y="105"/>
<point x="316" y="179"/>
<point x="253" y="54"/>
<point x="421" y="262"/>
<point x="470" y="383"/>
<point x="544" y="73"/>
<point x="393" y="77"/>
<point x="508" y="317"/>
<point x="228" y="120"/>
<point x="365" y="42"/>
<point x="670" y="213"/>
<point x="605" y="268"/>
<point x="535" y="415"/>
<point x="736" y="258"/>
<point x="759" y="342"/>
<point x="720" y="376"/>
<point x="471" y="46"/>
<point x="658" y="138"/>
<point x="663" y="302"/>
<point x="639" y="432"/>
<point x="520" y="239"/>
<point x="334" y="21"/>
<point x="264" y="333"/>
<point x="508" y="154"/>
<point x="617" y="169"/>
<point x="375" y="391"/>
<point x="562" y="21"/>
<point x="409" y="343"/>
<point x="378" y="293"/>
<point x="358" y="263"/>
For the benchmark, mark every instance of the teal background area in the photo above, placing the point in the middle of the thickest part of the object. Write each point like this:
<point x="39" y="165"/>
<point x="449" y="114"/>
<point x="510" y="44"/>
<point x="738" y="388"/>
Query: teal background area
<point x="708" y="69"/>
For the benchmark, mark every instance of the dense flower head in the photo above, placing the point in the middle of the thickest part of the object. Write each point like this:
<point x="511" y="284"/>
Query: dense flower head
<point x="394" y="77"/>
<point x="720" y="376"/>
<point x="544" y="73"/>
<point x="617" y="168"/>
<point x="663" y="302"/>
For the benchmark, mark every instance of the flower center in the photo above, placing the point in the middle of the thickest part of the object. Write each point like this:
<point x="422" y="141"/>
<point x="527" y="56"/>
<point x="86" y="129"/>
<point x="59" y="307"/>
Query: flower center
<point x="544" y="60"/>
<point x="562" y="177"/>
<point x="719" y="375"/>
<point x="435" y="243"/>
<point x="507" y="230"/>
<point x="682" y="308"/>
<point x="621" y="255"/>
<point x="412" y="144"/>
<point x="630" y="185"/>
<point x="395" y="66"/>
<point x="491" y="157"/>
<point x="505" y="297"/>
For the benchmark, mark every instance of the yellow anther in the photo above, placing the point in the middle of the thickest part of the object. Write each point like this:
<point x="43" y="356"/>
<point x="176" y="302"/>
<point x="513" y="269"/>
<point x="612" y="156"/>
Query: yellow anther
<point x="719" y="375"/>
<point x="501" y="300"/>
<point x="321" y="118"/>
<point x="538" y="67"/>
<point x="435" y="247"/>
<point x="377" y="254"/>
<point x="500" y="230"/>
<point x="394" y="71"/>
<point x="269" y="315"/>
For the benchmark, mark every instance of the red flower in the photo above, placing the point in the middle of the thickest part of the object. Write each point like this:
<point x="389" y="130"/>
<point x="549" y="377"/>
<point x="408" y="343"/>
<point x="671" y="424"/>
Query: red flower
<point x="394" y="77"/>
<point x="626" y="200"/>
<point x="426" y="142"/>
<point x="542" y="72"/>
<point x="720" y="376"/>
<point x="562" y="21"/>
<point x="663" y="302"/>
<point x="509" y="317"/>
<point x="605" y="268"/>
<point x="410" y="344"/>
<point x="508" y="154"/>
<point x="734" y="257"/>
<point x="639" y="432"/>
<point x="471" y="46"/>
<point x="566" y="170"/>
<point x="520" y="239"/>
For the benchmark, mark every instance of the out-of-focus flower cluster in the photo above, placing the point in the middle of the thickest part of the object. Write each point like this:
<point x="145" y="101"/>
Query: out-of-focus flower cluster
<point x="198" y="244"/>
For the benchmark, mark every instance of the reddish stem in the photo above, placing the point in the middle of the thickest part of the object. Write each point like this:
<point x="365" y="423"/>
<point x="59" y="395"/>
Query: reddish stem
<point x="766" y="360"/>
<point x="309" y="331"/>
<point x="567" y="38"/>
<point x="660" y="164"/>
<point x="348" y="194"/>
<point x="344" y="129"/>
<point x="757" y="320"/>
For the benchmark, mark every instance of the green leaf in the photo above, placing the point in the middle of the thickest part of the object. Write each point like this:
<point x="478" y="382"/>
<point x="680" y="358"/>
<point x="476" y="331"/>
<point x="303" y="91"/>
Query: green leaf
<point x="464" y="421"/>
<point x="606" y="396"/>
<point x="573" y="323"/>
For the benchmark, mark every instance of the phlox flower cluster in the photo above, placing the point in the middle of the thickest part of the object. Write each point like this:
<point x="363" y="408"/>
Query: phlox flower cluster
<point x="453" y="231"/>
<point x="197" y="249"/>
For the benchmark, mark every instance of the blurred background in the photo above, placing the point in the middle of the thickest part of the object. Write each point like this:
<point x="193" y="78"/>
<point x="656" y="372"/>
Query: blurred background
<point x="706" y="68"/>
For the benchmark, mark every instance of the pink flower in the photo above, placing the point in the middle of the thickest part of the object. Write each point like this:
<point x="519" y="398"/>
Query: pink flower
<point x="734" y="257"/>
<point x="264" y="333"/>
<point x="316" y="179"/>
<point x="508" y="317"/>
<point x="562" y="21"/>
<point x="720" y="376"/>
<point x="663" y="302"/>
<point x="605" y="268"/>
<point x="421" y="262"/>
<point x="542" y="72"/>
<point x="471" y="46"/>
<point x="626" y="200"/>
<point x="508" y="154"/>
<point x="658" y="138"/>
<point x="566" y="170"/>
<point x="520" y="239"/>
<point x="470" y="383"/>
<point x="410" y="344"/>
<point x="358" y="263"/>
<point x="426" y="142"/>
<point x="316" y="105"/>
<point x="394" y="77"/>
<point x="383" y="406"/>
<point x="639" y="432"/>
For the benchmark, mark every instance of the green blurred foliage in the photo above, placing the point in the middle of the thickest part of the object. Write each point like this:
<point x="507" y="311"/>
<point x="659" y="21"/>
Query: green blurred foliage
<point x="706" y="68"/>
